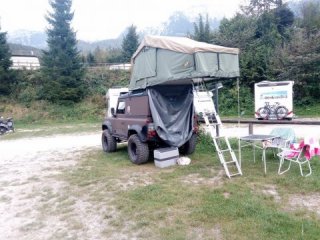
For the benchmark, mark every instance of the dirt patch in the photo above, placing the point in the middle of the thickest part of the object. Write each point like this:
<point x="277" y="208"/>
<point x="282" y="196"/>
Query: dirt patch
<point x="271" y="190"/>
<point x="131" y="180"/>
<point x="309" y="202"/>
<point x="202" y="234"/>
<point x="197" y="179"/>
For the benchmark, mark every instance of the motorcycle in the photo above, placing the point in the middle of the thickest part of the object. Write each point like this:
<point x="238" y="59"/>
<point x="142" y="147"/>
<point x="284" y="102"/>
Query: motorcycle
<point x="6" y="125"/>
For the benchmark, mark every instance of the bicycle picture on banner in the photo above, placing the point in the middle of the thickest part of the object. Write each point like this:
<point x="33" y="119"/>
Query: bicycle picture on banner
<point x="274" y="100"/>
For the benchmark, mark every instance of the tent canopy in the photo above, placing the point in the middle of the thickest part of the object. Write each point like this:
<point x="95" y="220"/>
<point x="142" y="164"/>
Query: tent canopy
<point x="178" y="60"/>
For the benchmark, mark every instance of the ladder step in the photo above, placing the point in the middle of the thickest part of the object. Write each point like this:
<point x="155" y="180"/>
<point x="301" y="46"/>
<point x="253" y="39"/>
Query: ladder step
<point x="233" y="161"/>
<point x="213" y="125"/>
<point x="219" y="137"/>
<point x="235" y="174"/>
<point x="225" y="150"/>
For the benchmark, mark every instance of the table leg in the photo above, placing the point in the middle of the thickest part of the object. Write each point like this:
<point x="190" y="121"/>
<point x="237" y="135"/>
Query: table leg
<point x="254" y="152"/>
<point x="264" y="160"/>
<point x="239" y="144"/>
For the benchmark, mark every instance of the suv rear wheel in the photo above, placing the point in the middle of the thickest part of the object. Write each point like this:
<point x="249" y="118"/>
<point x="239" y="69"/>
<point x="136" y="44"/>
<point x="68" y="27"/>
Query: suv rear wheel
<point x="137" y="150"/>
<point x="189" y="146"/>
<point x="109" y="143"/>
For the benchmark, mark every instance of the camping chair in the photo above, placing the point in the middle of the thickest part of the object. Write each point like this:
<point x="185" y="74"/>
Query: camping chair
<point x="285" y="137"/>
<point x="300" y="154"/>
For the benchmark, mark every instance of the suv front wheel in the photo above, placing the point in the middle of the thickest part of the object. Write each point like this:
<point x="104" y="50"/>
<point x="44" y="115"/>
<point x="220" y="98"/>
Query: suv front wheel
<point x="137" y="150"/>
<point x="109" y="143"/>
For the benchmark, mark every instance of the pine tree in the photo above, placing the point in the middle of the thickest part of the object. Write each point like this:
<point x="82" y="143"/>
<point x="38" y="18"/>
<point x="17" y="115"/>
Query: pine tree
<point x="202" y="31"/>
<point x="130" y="43"/>
<point x="5" y="63"/>
<point x="61" y="64"/>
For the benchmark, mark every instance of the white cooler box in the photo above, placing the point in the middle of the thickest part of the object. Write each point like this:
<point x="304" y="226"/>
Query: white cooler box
<point x="165" y="157"/>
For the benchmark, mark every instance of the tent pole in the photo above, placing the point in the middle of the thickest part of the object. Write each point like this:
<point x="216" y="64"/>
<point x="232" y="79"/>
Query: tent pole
<point x="239" y="145"/>
<point x="216" y="103"/>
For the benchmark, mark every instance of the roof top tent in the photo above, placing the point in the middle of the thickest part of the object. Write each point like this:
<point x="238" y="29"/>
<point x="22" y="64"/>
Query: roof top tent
<point x="162" y="65"/>
<point x="178" y="60"/>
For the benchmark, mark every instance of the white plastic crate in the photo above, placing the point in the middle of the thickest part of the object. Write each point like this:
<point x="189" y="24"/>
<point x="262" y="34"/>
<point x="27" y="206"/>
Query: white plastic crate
<point x="166" y="157"/>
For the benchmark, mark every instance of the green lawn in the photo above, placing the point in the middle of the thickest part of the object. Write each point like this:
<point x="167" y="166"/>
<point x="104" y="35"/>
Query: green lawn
<point x="198" y="201"/>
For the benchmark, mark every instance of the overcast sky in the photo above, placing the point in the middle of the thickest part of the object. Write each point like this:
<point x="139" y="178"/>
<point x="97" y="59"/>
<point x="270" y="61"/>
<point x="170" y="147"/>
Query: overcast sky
<point x="102" y="19"/>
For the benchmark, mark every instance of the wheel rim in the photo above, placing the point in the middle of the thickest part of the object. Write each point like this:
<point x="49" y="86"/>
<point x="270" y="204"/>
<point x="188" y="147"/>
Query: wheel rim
<point x="281" y="113"/>
<point x="263" y="113"/>
<point x="2" y="131"/>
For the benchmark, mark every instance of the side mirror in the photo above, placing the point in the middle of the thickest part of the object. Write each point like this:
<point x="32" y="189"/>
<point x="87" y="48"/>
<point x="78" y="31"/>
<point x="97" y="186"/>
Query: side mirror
<point x="113" y="112"/>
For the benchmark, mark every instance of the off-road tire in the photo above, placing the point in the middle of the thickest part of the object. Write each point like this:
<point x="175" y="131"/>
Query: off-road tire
<point x="190" y="146"/>
<point x="2" y="130"/>
<point x="109" y="143"/>
<point x="138" y="151"/>
<point x="281" y="112"/>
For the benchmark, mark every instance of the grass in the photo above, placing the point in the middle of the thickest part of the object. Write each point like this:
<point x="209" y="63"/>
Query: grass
<point x="308" y="111"/>
<point x="47" y="129"/>
<point x="42" y="112"/>
<point x="197" y="201"/>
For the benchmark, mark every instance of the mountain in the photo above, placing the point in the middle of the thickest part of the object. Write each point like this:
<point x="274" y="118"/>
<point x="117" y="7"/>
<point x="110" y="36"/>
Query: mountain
<point x="18" y="49"/>
<point x="30" y="38"/>
<point x="91" y="46"/>
<point x="178" y="24"/>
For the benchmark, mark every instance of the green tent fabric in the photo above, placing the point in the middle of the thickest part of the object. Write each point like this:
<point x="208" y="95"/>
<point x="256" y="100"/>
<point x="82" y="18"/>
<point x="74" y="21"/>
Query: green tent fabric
<point x="176" y="60"/>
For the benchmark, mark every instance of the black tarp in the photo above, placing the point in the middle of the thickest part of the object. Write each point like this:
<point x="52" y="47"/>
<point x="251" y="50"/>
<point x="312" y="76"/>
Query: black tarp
<point x="172" y="112"/>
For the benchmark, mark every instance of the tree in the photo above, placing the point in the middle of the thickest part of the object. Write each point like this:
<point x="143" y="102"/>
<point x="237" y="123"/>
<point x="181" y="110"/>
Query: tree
<point x="90" y="58"/>
<point x="258" y="7"/>
<point x="6" y="80"/>
<point x="284" y="19"/>
<point x="114" y="55"/>
<point x="62" y="70"/>
<point x="310" y="16"/>
<point x="130" y="43"/>
<point x="202" y="30"/>
<point x="100" y="55"/>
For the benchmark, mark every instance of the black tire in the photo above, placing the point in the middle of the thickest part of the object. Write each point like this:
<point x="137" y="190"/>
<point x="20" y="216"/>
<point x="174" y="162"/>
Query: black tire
<point x="138" y="151"/>
<point x="190" y="146"/>
<point x="3" y="130"/>
<point x="109" y="143"/>
<point x="264" y="112"/>
<point x="281" y="112"/>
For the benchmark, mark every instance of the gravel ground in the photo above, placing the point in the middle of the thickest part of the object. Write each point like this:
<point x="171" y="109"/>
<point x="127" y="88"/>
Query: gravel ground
<point x="27" y="167"/>
<point x="29" y="192"/>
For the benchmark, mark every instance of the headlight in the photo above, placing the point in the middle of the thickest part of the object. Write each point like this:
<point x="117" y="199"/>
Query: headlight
<point x="9" y="124"/>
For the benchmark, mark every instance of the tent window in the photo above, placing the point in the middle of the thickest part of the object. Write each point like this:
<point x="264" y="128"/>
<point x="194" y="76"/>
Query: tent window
<point x="206" y="61"/>
<point x="228" y="62"/>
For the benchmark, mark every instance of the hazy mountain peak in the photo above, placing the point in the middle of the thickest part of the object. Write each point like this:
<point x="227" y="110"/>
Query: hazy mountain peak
<point x="178" y="24"/>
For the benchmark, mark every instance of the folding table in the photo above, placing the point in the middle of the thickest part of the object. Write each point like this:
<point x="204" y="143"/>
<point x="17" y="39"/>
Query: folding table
<point x="256" y="141"/>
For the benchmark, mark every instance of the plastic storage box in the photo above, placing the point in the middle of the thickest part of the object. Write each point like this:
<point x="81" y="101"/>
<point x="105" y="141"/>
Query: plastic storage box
<point x="165" y="157"/>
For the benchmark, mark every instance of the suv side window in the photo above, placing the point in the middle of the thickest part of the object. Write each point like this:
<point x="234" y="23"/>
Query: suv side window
<point x="121" y="107"/>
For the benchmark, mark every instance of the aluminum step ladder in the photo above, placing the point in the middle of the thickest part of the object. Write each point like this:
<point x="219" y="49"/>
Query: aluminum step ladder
<point x="230" y="163"/>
